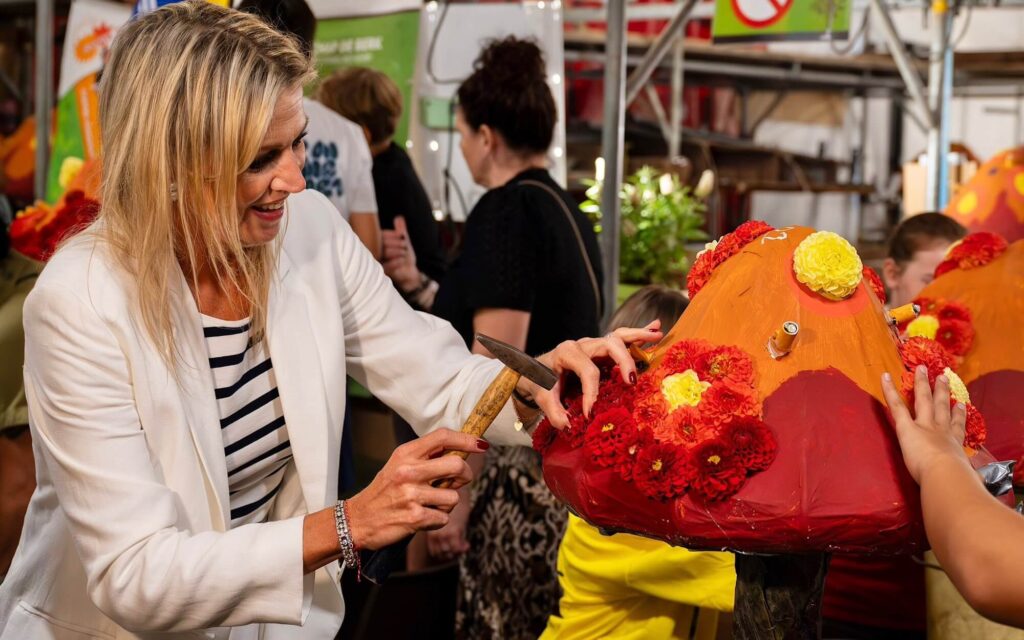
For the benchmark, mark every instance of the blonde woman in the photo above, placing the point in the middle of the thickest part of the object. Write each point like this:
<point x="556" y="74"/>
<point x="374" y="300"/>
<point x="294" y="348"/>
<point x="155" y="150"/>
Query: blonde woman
<point x="186" y="360"/>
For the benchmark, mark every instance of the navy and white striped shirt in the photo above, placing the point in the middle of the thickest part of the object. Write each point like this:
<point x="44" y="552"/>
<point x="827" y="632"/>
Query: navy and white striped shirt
<point x="252" y="423"/>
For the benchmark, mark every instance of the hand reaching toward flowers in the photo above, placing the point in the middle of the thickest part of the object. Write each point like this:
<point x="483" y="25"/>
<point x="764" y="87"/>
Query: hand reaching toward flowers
<point x="976" y="538"/>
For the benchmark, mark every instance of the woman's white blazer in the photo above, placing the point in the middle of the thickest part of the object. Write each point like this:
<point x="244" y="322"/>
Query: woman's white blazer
<point x="126" y="534"/>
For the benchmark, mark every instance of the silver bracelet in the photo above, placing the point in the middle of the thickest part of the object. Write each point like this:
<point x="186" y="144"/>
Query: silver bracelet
<point x="349" y="555"/>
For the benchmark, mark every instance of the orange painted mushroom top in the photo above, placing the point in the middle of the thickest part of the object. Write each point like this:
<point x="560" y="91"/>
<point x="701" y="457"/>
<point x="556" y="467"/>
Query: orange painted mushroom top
<point x="994" y="294"/>
<point x="751" y="295"/>
<point x="993" y="200"/>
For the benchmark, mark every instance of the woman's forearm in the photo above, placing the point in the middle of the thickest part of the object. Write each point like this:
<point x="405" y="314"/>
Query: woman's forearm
<point x="320" y="545"/>
<point x="978" y="541"/>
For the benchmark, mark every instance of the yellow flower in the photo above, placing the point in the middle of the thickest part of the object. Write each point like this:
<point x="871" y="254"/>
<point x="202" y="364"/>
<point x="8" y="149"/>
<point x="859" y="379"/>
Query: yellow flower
<point x="923" y="327"/>
<point x="68" y="170"/>
<point x="683" y="389"/>
<point x="957" y="388"/>
<point x="828" y="264"/>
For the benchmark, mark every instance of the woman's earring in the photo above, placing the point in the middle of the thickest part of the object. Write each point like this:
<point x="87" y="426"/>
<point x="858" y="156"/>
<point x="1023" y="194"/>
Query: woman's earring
<point x="174" y="192"/>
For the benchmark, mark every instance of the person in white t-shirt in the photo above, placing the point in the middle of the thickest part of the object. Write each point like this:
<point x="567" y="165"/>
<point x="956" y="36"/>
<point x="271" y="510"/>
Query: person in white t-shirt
<point x="338" y="160"/>
<point x="339" y="165"/>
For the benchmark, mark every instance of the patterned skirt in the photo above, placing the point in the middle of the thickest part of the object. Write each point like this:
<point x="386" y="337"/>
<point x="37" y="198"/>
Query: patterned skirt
<point x="508" y="585"/>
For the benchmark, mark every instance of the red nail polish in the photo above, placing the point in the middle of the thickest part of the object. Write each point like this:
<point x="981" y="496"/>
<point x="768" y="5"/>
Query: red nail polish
<point x="632" y="377"/>
<point x="483" y="444"/>
<point x="652" y="330"/>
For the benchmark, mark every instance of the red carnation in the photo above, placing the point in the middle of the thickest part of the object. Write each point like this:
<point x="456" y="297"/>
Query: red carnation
<point x="875" y="282"/>
<point x="660" y="471"/>
<point x="917" y="351"/>
<point x="608" y="435"/>
<point x="681" y="427"/>
<point x="574" y="432"/>
<point x="752" y="443"/>
<point x="976" y="429"/>
<point x="956" y="336"/>
<point x="976" y="250"/>
<point x="715" y="471"/>
<point x="699" y="273"/>
<point x="930" y="306"/>
<point x="543" y="436"/>
<point x="725" y="400"/>
<point x="683" y="355"/>
<point x="951" y="310"/>
<point x="636" y="441"/>
<point x="725" y="363"/>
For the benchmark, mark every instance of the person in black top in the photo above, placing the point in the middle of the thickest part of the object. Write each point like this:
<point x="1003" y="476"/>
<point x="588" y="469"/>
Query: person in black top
<point x="372" y="100"/>
<point x="529" y="274"/>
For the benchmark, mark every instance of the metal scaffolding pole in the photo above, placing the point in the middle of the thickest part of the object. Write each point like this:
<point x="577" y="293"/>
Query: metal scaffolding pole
<point x="940" y="62"/>
<point x="657" y="51"/>
<point x="899" y="55"/>
<point x="676" y="124"/>
<point x="44" y="91"/>
<point x="611" y="149"/>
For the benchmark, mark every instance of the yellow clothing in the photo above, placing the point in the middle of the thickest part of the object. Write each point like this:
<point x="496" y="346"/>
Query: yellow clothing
<point x="628" y="587"/>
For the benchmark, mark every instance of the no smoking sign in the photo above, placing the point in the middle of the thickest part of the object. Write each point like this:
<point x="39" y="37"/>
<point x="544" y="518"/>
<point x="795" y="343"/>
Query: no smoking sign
<point x="760" y="13"/>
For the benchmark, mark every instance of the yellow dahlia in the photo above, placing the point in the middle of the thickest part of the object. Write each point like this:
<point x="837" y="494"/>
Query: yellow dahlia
<point x="923" y="327"/>
<point x="683" y="389"/>
<point x="828" y="264"/>
<point x="957" y="388"/>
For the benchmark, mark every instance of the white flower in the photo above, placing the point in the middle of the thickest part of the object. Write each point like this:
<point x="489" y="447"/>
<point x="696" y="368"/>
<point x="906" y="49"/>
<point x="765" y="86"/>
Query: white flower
<point x="705" y="185"/>
<point x="665" y="184"/>
<point x="710" y="246"/>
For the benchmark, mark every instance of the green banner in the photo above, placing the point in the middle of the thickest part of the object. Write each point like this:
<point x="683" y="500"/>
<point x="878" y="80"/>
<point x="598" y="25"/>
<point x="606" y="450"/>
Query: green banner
<point x="386" y="43"/>
<point x="767" y="20"/>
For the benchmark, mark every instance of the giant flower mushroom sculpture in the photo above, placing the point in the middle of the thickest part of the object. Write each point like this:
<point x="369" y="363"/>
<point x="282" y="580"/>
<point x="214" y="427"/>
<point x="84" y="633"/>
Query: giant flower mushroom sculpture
<point x="993" y="199"/>
<point x="758" y="425"/>
<point x="975" y="306"/>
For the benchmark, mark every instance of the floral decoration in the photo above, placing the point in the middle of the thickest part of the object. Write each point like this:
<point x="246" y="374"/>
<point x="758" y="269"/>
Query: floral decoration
<point x="37" y="230"/>
<point x="828" y="264"/>
<point x="718" y="251"/>
<point x="918" y="351"/>
<point x="875" y="282"/>
<point x="947" y="322"/>
<point x="692" y="424"/>
<point x="976" y="250"/>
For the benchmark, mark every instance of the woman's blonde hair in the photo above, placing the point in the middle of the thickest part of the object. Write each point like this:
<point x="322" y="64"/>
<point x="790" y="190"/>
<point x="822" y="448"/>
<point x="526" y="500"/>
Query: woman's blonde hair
<point x="365" y="96"/>
<point x="185" y="100"/>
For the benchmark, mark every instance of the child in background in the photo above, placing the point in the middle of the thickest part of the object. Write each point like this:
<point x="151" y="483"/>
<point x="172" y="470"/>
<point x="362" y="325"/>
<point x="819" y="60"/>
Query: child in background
<point x="629" y="587"/>
<point x="874" y="597"/>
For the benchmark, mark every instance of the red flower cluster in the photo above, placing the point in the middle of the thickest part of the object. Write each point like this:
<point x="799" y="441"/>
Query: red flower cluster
<point x="38" y="230"/>
<point x="729" y="245"/>
<point x="610" y="435"/>
<point x="956" y="329"/>
<point x="918" y="351"/>
<point x="976" y="250"/>
<point x="875" y="282"/>
<point x="922" y="351"/>
<point x="707" y="440"/>
<point x="976" y="429"/>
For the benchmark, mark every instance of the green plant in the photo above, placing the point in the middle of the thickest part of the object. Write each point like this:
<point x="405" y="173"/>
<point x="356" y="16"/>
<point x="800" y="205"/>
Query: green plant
<point x="660" y="216"/>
